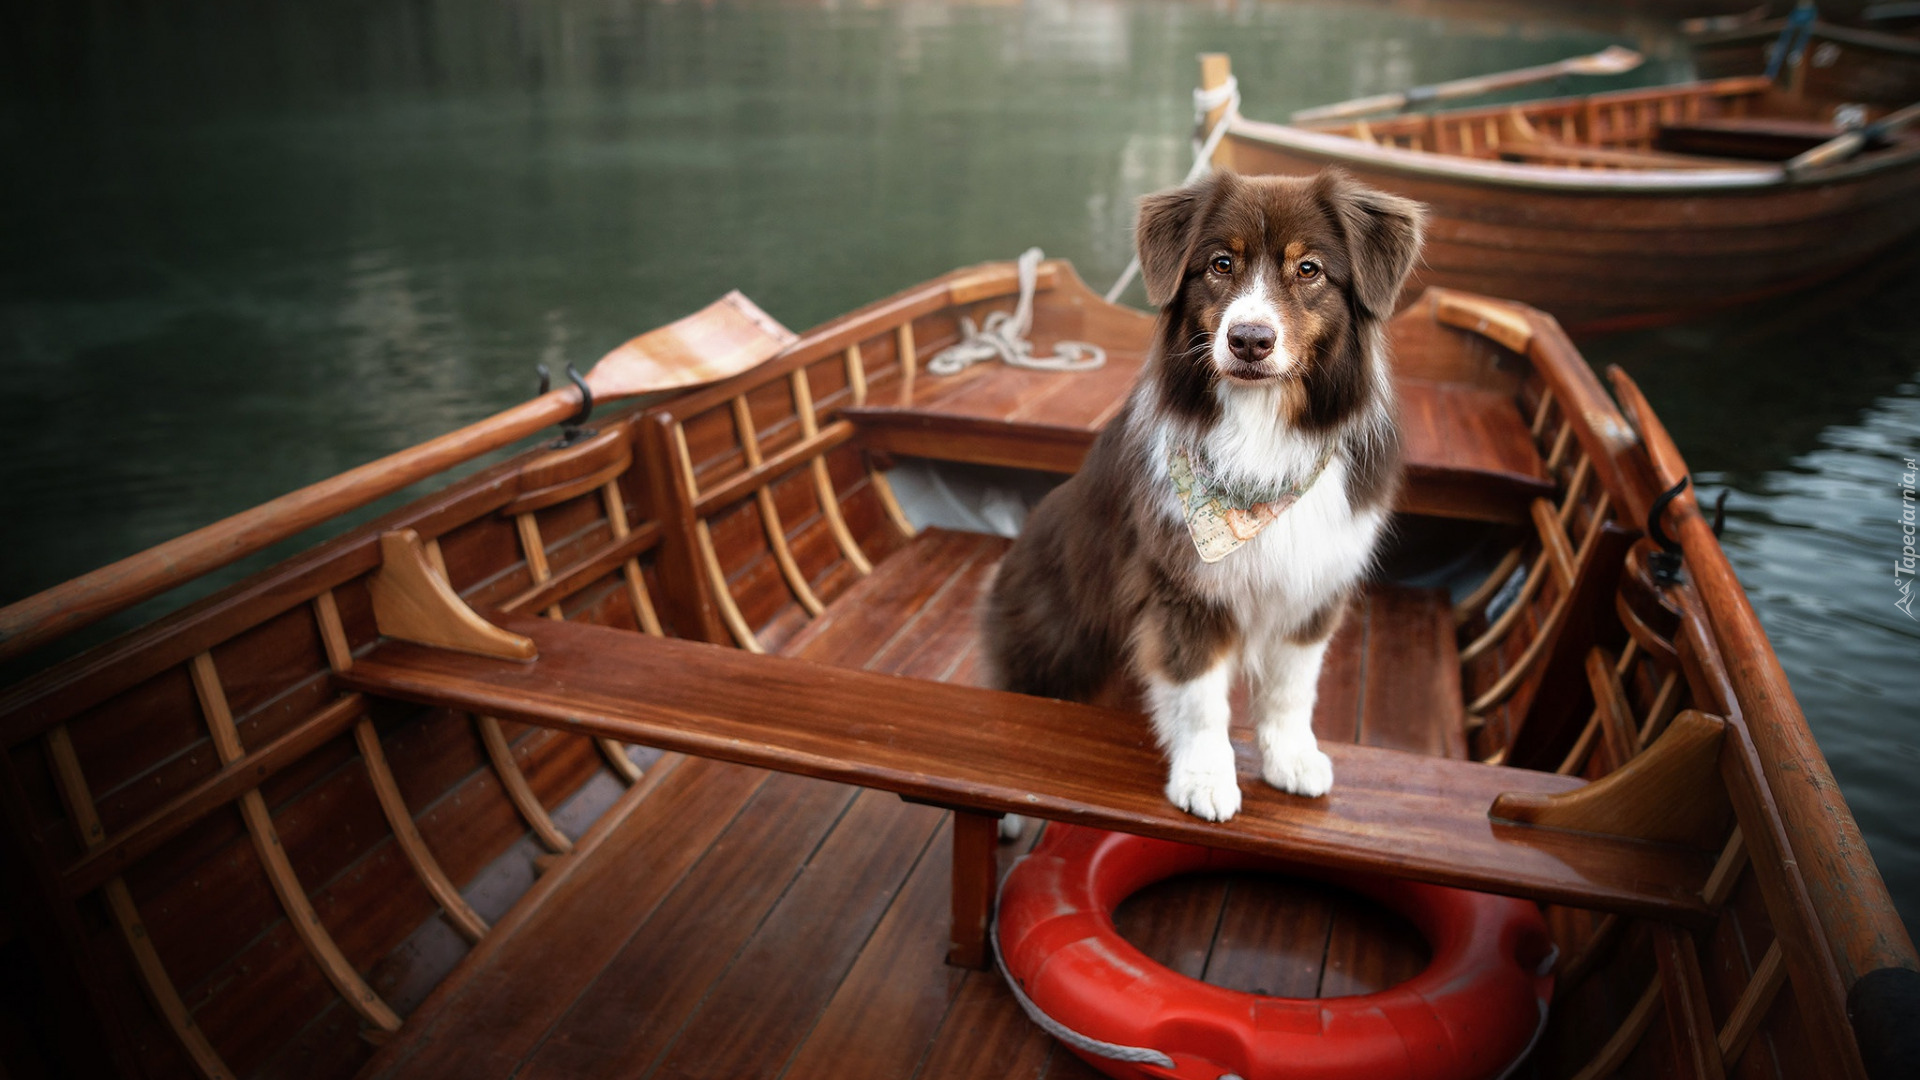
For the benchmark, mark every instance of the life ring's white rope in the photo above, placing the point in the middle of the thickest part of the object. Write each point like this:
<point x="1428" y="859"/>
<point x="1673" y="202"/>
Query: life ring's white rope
<point x="1143" y="1055"/>
<point x="1546" y="964"/>
<point x="1004" y="335"/>
<point x="1204" y="102"/>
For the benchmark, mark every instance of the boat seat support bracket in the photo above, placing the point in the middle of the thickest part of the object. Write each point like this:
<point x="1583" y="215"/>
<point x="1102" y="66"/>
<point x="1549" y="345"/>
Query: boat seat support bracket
<point x="1671" y="793"/>
<point x="413" y="602"/>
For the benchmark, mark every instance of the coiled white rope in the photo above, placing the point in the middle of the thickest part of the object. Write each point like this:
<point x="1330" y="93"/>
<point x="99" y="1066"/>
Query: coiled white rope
<point x="1204" y="102"/>
<point x="1004" y="335"/>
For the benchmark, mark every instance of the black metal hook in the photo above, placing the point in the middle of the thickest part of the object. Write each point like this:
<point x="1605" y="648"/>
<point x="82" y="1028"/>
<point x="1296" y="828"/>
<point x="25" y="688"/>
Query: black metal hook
<point x="573" y="428"/>
<point x="1720" y="511"/>
<point x="1666" y="561"/>
<point x="586" y="398"/>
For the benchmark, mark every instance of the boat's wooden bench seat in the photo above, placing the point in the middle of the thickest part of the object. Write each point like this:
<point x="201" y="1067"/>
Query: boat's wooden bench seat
<point x="1468" y="451"/>
<point x="1424" y="817"/>
<point x="1753" y="138"/>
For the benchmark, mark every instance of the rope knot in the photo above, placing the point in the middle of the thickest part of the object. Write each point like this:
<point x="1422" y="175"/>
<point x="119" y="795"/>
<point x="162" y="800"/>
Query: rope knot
<point x="1004" y="335"/>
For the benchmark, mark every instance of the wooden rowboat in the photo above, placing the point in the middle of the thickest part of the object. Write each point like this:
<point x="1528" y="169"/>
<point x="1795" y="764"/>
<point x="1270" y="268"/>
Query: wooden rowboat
<point x="661" y="751"/>
<point x="1620" y="209"/>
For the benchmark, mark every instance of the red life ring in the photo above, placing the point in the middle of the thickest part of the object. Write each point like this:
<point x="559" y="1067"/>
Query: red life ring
<point x="1473" y="1014"/>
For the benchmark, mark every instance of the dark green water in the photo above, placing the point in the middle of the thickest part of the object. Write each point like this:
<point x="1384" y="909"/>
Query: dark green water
<point x="249" y="245"/>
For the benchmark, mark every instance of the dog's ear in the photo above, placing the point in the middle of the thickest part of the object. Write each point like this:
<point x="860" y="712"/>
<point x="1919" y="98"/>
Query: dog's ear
<point x="1165" y="232"/>
<point x="1383" y="237"/>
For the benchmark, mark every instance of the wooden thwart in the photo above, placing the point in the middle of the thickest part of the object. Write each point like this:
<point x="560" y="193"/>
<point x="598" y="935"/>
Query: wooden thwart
<point x="1405" y="814"/>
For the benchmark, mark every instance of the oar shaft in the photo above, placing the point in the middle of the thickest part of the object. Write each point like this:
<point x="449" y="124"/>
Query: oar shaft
<point x="1609" y="62"/>
<point x="1842" y="147"/>
<point x="91" y="597"/>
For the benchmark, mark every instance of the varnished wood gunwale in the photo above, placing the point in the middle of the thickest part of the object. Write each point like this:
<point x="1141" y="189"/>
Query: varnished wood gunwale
<point x="1846" y="889"/>
<point x="29" y="707"/>
<point x="731" y="334"/>
<point x="1825" y="897"/>
<point x="41" y="618"/>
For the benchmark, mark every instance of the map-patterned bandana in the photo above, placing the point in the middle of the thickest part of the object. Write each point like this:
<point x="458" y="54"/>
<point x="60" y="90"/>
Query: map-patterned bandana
<point x="1221" y="518"/>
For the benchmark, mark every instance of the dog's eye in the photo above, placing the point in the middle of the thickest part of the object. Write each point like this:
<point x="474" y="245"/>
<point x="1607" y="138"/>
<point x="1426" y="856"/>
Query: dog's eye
<point x="1309" y="269"/>
<point x="1222" y="265"/>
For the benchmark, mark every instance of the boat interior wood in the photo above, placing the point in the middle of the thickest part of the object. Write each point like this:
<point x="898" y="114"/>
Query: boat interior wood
<point x="747" y="903"/>
<point x="639" y="990"/>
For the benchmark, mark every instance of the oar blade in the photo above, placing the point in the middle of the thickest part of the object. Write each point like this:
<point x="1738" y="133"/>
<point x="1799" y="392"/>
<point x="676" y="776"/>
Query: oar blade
<point x="725" y="338"/>
<point x="1612" y="60"/>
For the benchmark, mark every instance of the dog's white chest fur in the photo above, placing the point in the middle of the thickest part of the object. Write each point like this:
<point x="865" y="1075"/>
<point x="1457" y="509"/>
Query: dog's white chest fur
<point x="1310" y="554"/>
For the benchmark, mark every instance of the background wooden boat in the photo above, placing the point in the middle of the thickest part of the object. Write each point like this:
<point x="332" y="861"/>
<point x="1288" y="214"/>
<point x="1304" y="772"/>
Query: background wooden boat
<point x="234" y="847"/>
<point x="1621" y="209"/>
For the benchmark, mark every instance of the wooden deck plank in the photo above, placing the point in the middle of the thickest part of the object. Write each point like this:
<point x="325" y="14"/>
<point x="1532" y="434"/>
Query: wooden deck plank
<point x="992" y="393"/>
<point x="1085" y="399"/>
<point x="1411" y="660"/>
<point x="1272" y="937"/>
<point x="986" y="1036"/>
<point x="1413" y="816"/>
<point x="1173" y="922"/>
<point x="984" y="1033"/>
<point x="630" y="1015"/>
<point x="935" y="644"/>
<point x="882" y="1017"/>
<point x="523" y="975"/>
<point x="866" y="617"/>
<point x="1368" y="949"/>
<point x="1337" y="715"/>
<point x="756" y="1015"/>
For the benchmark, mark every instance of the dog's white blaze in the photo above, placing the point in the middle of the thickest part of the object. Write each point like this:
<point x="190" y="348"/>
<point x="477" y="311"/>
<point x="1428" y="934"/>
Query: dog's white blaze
<point x="1253" y="305"/>
<point x="1253" y="444"/>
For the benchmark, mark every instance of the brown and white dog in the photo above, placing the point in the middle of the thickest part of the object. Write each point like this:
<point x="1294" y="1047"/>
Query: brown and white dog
<point x="1223" y="518"/>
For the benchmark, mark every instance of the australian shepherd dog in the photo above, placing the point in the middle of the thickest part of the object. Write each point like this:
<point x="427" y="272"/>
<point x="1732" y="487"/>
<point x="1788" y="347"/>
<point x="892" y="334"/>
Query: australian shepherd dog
<point x="1225" y="516"/>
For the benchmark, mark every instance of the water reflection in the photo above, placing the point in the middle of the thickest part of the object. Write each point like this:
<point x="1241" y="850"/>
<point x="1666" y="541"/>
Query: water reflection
<point x="254" y="242"/>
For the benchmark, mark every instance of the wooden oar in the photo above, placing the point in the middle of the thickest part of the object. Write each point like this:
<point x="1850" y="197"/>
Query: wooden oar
<point x="725" y="338"/>
<point x="1844" y="146"/>
<point x="1609" y="61"/>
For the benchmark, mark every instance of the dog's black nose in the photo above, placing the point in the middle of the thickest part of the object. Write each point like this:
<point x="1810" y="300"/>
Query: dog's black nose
<point x="1250" y="342"/>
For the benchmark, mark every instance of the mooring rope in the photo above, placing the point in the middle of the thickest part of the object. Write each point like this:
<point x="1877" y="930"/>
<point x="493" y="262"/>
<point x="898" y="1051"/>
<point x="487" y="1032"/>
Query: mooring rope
<point x="1004" y="335"/>
<point x="1204" y="102"/>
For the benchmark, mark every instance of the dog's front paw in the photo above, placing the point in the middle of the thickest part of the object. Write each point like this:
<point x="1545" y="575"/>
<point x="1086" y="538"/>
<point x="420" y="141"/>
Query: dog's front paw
<point x="1210" y="793"/>
<point x="1299" y="767"/>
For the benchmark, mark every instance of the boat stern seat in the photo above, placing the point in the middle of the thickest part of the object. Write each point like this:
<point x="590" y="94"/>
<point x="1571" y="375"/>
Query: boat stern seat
<point x="1467" y="449"/>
